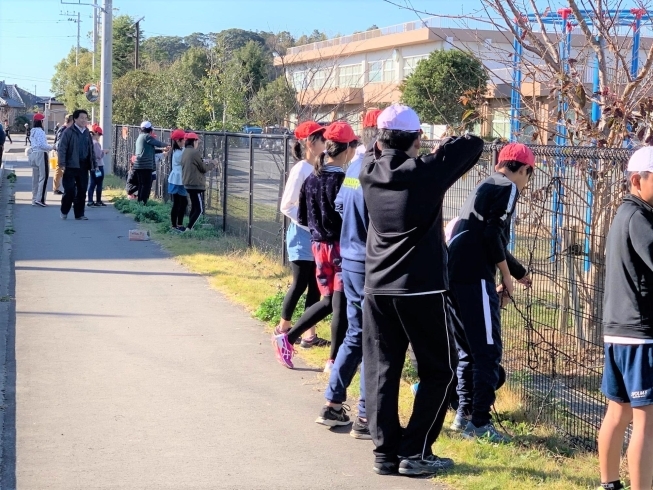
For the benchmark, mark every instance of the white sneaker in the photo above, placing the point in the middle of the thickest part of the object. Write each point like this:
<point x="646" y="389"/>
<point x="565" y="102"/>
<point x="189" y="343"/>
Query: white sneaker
<point x="63" y="216"/>
<point x="328" y="366"/>
<point x="39" y="203"/>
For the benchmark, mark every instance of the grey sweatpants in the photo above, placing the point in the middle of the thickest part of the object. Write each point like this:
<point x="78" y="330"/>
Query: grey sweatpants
<point x="40" y="174"/>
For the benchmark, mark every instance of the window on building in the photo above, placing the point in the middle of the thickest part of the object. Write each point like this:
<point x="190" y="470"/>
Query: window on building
<point x="319" y="79"/>
<point x="376" y="71"/>
<point x="389" y="71"/>
<point x="410" y="63"/>
<point x="501" y="124"/>
<point x="350" y="76"/>
<point x="299" y="80"/>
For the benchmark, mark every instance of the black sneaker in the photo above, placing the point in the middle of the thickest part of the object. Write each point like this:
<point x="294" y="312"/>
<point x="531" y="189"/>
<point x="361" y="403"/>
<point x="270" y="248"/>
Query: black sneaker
<point x="360" y="430"/>
<point x="90" y="204"/>
<point x="100" y="204"/>
<point x="331" y="417"/>
<point x="386" y="468"/>
<point x="315" y="341"/>
<point x="82" y="218"/>
<point x="427" y="466"/>
<point x="58" y="193"/>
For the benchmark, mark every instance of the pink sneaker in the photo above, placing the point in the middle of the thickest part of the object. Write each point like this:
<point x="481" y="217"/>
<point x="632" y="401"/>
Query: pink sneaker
<point x="283" y="350"/>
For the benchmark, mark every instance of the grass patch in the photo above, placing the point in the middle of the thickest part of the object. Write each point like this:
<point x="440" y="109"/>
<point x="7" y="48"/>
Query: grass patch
<point x="537" y="458"/>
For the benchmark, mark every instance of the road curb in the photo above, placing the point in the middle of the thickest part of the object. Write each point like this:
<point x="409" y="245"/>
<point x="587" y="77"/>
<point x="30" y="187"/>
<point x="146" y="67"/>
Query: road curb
<point x="7" y="314"/>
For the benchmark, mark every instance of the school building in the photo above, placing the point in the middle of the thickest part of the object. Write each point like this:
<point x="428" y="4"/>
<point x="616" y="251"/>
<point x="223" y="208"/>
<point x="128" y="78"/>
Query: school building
<point x="342" y="77"/>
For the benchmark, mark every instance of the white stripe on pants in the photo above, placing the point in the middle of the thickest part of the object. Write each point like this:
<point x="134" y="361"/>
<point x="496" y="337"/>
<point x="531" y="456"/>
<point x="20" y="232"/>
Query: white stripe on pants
<point x="39" y="176"/>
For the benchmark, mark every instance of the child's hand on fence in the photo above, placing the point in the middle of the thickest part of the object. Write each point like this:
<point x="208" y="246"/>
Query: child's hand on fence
<point x="526" y="281"/>
<point x="505" y="291"/>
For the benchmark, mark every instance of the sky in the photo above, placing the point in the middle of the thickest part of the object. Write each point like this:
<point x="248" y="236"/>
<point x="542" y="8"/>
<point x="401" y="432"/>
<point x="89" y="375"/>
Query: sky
<point x="35" y="36"/>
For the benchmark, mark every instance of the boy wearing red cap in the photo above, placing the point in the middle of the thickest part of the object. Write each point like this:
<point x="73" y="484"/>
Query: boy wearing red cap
<point x="406" y="288"/>
<point x="478" y="246"/>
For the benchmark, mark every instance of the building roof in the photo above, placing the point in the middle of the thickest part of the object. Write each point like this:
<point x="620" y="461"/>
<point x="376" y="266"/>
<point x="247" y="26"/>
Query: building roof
<point x="11" y="95"/>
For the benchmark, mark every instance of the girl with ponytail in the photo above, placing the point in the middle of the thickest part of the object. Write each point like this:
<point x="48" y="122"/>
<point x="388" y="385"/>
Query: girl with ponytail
<point x="317" y="211"/>
<point x="307" y="150"/>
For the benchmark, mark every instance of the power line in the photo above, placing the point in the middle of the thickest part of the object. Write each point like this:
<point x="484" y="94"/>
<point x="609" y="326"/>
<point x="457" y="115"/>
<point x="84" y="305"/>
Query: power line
<point x="33" y="37"/>
<point x="37" y="21"/>
<point x="15" y="75"/>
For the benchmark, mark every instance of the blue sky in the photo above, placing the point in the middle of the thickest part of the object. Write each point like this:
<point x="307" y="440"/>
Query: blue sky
<point x="34" y="36"/>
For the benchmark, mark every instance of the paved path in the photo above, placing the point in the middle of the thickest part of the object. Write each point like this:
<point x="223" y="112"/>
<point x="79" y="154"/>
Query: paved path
<point x="131" y="373"/>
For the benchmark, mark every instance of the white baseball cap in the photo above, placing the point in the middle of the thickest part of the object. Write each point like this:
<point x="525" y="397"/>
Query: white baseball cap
<point x="399" y="117"/>
<point x="146" y="125"/>
<point x="641" y="160"/>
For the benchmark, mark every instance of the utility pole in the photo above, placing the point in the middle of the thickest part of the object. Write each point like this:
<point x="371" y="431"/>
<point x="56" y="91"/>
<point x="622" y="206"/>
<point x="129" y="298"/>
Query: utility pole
<point x="107" y="81"/>
<point x="71" y="18"/>
<point x="96" y="18"/>
<point x="137" y="24"/>
<point x="79" y="24"/>
<point x="106" y="89"/>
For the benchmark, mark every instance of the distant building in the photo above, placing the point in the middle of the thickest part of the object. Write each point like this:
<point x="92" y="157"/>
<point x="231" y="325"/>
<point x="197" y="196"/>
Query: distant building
<point x="340" y="78"/>
<point x="16" y="102"/>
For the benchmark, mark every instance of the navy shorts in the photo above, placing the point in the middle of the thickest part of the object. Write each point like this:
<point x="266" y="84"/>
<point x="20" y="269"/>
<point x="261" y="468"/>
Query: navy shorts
<point x="628" y="374"/>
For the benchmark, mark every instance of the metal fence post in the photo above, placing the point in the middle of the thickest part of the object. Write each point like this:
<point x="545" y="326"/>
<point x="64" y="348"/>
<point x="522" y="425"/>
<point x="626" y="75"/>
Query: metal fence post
<point x="115" y="149"/>
<point x="250" y="216"/>
<point x="225" y="168"/>
<point x="284" y="226"/>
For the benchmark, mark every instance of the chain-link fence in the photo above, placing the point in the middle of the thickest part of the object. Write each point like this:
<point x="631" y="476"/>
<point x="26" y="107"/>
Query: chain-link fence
<point x="552" y="334"/>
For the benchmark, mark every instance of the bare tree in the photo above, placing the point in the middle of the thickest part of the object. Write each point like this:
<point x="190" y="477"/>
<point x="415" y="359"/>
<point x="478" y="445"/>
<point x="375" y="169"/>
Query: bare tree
<point x="557" y="97"/>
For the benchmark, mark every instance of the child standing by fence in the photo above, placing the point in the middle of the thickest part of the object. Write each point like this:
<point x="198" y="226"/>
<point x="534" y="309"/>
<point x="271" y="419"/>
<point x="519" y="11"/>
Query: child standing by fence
<point x="351" y="205"/>
<point x="307" y="150"/>
<point x="478" y="246"/>
<point x="193" y="170"/>
<point x="175" y="182"/>
<point x="628" y="330"/>
<point x="317" y="212"/>
<point x="97" y="175"/>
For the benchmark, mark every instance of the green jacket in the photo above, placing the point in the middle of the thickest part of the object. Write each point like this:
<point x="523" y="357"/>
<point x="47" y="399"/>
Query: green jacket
<point x="145" y="146"/>
<point x="193" y="169"/>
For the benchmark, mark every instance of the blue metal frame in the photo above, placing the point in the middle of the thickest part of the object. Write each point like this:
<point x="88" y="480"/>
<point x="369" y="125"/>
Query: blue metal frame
<point x="561" y="140"/>
<point x="564" y="17"/>
<point x="515" y="96"/>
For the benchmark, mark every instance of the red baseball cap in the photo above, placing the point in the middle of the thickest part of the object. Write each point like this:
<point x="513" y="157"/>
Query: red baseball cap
<point x="96" y="129"/>
<point x="305" y="129"/>
<point x="369" y="121"/>
<point x="192" y="136"/>
<point x="178" y="134"/>
<point x="39" y="117"/>
<point x="340" y="132"/>
<point x="517" y="152"/>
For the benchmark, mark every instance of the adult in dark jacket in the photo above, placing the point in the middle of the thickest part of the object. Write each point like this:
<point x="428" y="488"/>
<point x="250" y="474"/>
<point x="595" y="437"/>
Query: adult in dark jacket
<point x="478" y="246"/>
<point x="628" y="332"/>
<point x="76" y="158"/>
<point x="144" y="163"/>
<point x="405" y="288"/>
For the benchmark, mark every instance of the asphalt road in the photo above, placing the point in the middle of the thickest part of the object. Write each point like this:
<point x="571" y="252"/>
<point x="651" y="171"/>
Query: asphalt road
<point x="129" y="372"/>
